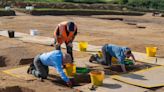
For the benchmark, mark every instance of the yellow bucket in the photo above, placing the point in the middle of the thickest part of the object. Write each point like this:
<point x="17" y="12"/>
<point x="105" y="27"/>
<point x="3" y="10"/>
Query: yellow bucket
<point x="97" y="77"/>
<point x="70" y="70"/>
<point x="100" y="54"/>
<point x="151" y="51"/>
<point x="83" y="46"/>
<point x="114" y="59"/>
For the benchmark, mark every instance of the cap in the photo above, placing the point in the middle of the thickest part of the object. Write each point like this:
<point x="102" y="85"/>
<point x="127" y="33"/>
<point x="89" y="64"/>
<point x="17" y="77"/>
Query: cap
<point x="70" y="26"/>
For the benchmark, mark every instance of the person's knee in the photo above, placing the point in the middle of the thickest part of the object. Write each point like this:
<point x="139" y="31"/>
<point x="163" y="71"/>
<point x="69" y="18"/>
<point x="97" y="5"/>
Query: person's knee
<point x="35" y="73"/>
<point x="42" y="75"/>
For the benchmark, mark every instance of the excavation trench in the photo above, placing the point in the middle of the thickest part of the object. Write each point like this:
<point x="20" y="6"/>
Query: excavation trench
<point x="16" y="89"/>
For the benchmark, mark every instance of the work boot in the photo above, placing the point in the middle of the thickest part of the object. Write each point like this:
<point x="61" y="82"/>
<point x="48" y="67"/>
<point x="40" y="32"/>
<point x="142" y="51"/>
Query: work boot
<point x="29" y="71"/>
<point x="41" y="79"/>
<point x="92" y="58"/>
<point x="32" y="67"/>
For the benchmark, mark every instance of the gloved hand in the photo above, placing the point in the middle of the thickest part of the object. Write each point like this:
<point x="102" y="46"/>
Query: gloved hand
<point x="57" y="46"/>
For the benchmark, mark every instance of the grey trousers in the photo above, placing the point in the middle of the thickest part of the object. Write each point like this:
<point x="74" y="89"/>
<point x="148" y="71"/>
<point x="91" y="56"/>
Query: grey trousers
<point x="40" y="71"/>
<point x="106" y="56"/>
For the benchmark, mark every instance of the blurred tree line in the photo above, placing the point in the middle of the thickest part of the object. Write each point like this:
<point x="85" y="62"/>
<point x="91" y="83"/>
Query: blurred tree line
<point x="6" y="2"/>
<point x="147" y="4"/>
<point x="142" y="4"/>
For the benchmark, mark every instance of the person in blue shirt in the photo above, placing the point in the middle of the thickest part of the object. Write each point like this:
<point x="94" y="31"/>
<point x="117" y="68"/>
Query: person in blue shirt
<point x="56" y="59"/>
<point x="111" y="50"/>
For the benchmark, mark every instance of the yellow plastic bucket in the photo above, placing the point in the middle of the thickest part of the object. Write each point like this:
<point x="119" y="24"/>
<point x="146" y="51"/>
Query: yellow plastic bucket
<point x="97" y="77"/>
<point x="100" y="54"/>
<point x="83" y="46"/>
<point x="70" y="70"/>
<point x="151" y="51"/>
<point x="114" y="59"/>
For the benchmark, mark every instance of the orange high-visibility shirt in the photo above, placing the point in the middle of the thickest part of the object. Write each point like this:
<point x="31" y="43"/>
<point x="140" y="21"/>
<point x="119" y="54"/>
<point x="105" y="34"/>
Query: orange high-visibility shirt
<point x="63" y="37"/>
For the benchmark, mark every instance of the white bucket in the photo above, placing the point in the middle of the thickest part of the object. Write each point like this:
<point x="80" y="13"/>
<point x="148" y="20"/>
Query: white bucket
<point x="7" y="8"/>
<point x="29" y="7"/>
<point x="34" y="32"/>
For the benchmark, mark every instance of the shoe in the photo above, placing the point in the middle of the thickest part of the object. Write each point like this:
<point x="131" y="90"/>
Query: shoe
<point x="32" y="67"/>
<point x="41" y="79"/>
<point x="92" y="58"/>
<point x="29" y="71"/>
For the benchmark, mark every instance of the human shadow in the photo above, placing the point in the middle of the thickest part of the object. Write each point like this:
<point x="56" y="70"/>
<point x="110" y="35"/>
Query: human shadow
<point x="58" y="81"/>
<point x="111" y="86"/>
<point x="134" y="76"/>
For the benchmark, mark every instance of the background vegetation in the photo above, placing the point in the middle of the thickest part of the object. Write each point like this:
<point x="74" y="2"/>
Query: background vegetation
<point x="74" y="1"/>
<point x="154" y="4"/>
<point x="148" y="4"/>
<point x="141" y="4"/>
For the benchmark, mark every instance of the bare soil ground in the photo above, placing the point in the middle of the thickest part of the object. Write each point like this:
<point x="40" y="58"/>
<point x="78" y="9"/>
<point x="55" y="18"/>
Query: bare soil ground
<point x="94" y="29"/>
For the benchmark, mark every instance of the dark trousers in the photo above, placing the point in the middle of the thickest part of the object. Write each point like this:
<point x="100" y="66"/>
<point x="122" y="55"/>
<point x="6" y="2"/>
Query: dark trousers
<point x="107" y="58"/>
<point x="40" y="71"/>
<point x="69" y="49"/>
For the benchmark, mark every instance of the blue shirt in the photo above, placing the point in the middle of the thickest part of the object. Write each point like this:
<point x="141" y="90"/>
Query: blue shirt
<point x="117" y="52"/>
<point x="54" y="59"/>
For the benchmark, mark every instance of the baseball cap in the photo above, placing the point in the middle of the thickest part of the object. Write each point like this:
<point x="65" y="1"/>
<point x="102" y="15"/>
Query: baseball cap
<point x="70" y="26"/>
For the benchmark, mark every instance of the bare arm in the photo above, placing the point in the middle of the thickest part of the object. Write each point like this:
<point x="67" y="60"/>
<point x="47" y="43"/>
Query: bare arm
<point x="57" y="33"/>
<point x="57" y="36"/>
<point x="133" y="58"/>
<point x="123" y="68"/>
<point x="121" y="61"/>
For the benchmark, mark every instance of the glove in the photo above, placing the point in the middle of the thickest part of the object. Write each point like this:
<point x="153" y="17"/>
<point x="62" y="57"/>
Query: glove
<point x="57" y="46"/>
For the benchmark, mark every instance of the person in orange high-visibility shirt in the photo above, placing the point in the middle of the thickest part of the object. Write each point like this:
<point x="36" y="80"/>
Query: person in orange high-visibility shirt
<point x="65" y="32"/>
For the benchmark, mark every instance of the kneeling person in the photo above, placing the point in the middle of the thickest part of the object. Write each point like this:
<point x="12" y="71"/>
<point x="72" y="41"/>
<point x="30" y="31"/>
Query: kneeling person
<point x="55" y="59"/>
<point x="111" y="50"/>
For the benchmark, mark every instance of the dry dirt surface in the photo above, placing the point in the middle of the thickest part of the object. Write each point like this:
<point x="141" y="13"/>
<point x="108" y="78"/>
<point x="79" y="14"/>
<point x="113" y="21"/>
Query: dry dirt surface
<point x="136" y="32"/>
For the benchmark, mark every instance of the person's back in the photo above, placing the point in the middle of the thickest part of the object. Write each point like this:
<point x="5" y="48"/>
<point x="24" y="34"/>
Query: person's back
<point x="117" y="51"/>
<point x="111" y="50"/>
<point x="56" y="59"/>
<point x="52" y="58"/>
